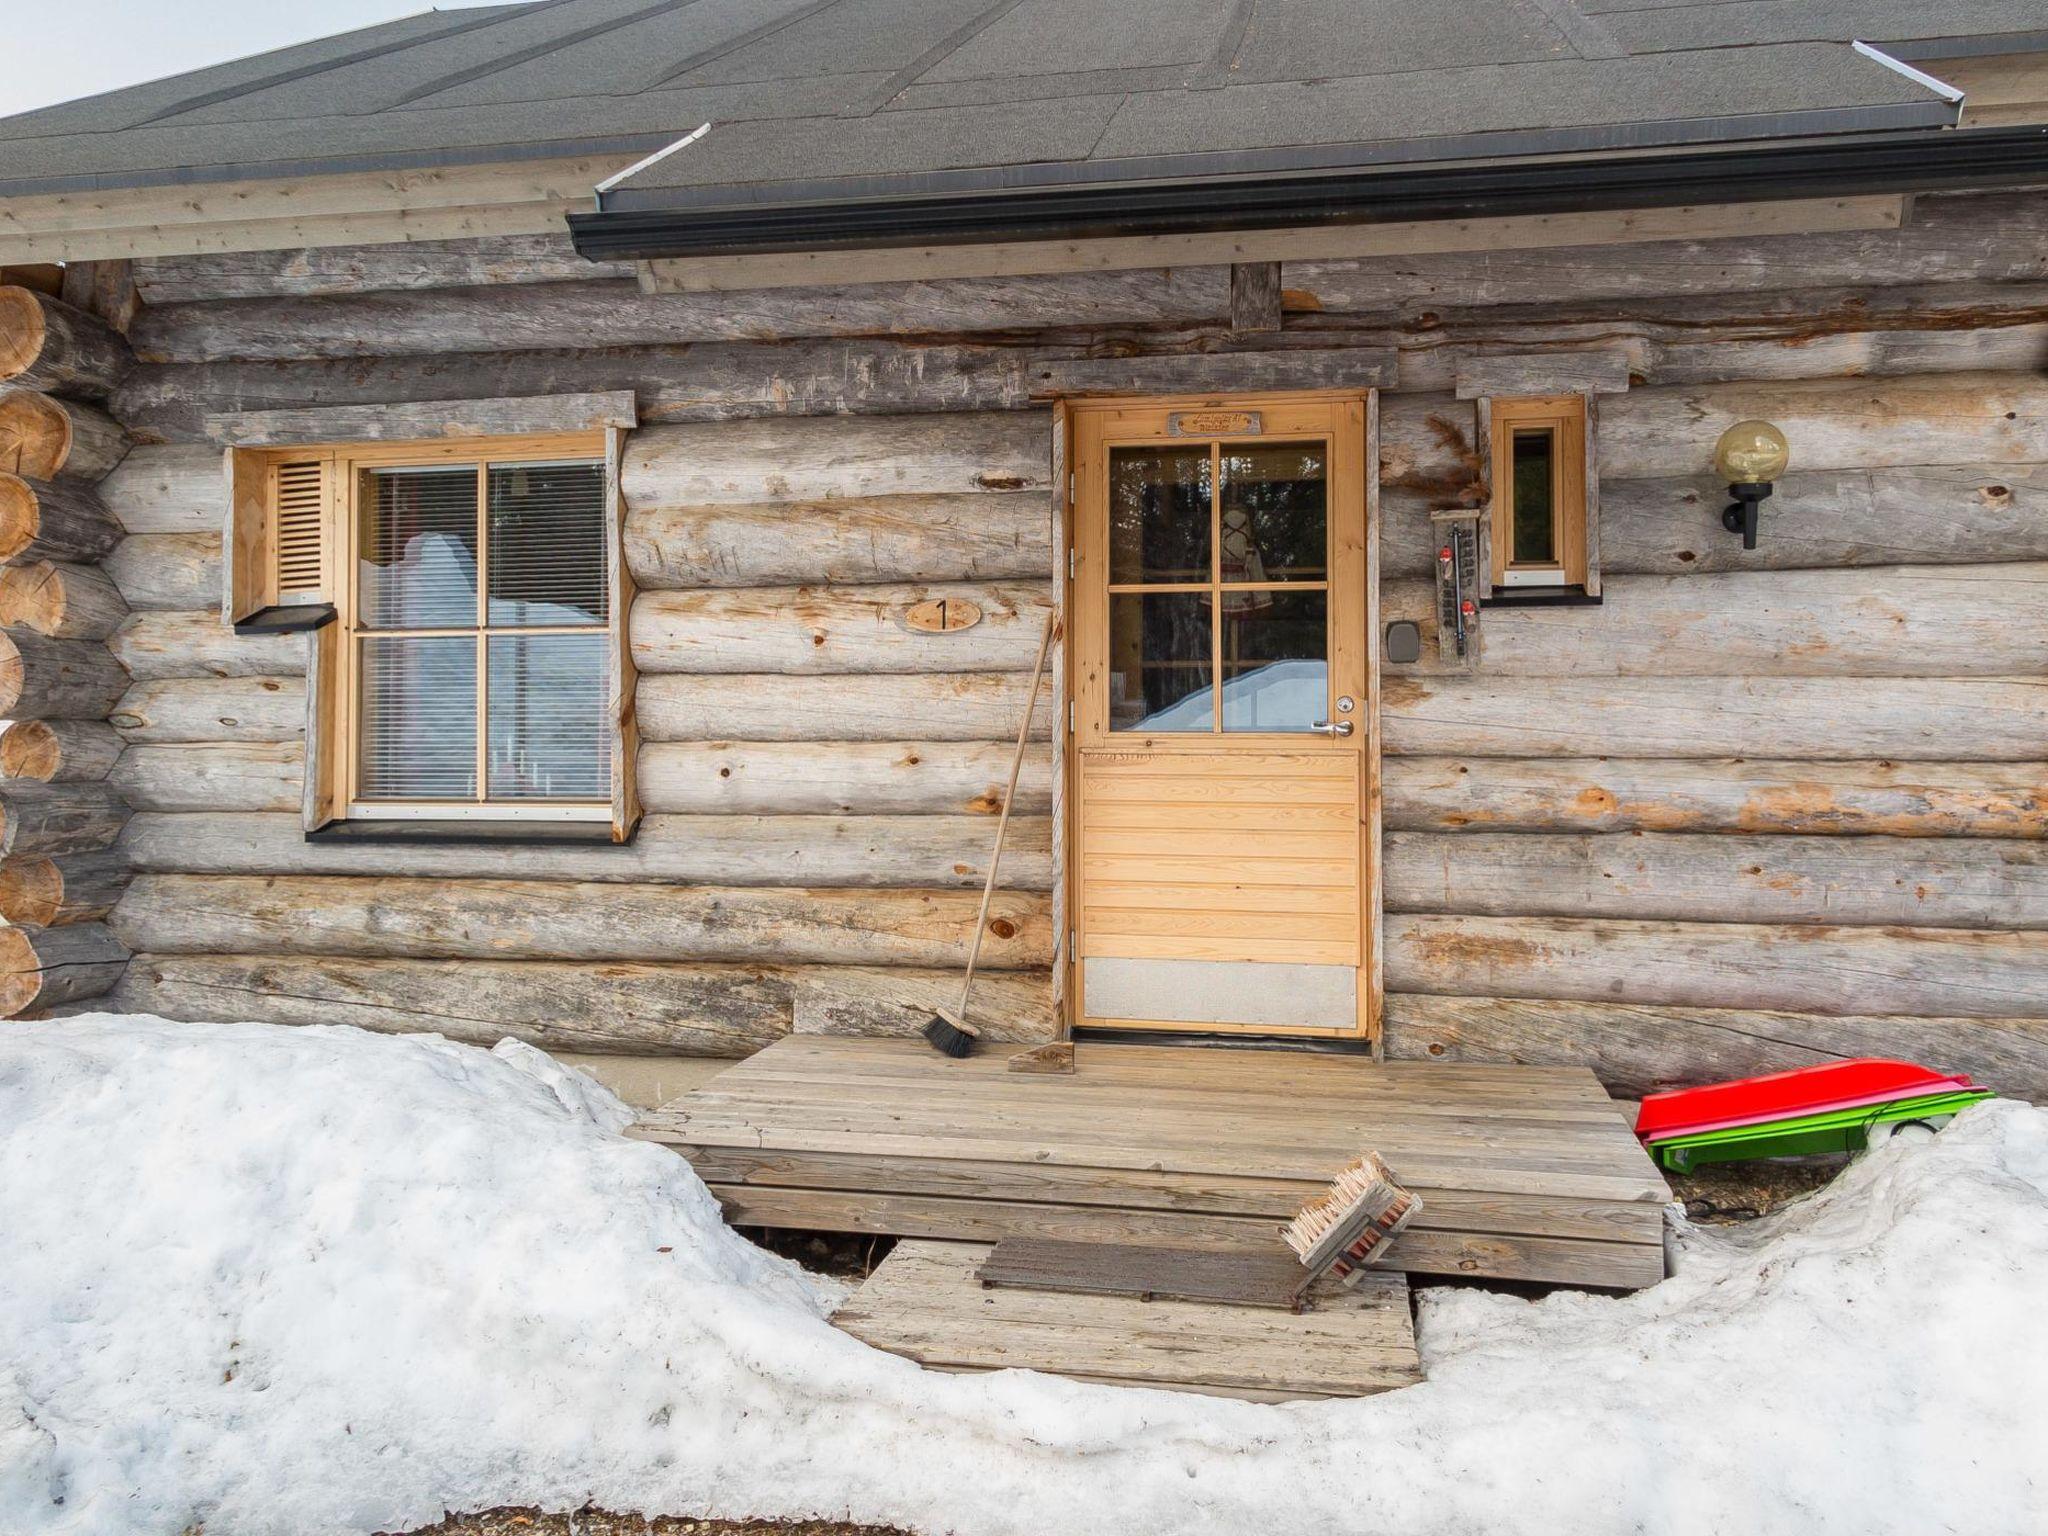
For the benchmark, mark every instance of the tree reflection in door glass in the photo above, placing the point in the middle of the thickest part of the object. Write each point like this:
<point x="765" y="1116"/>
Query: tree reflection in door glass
<point x="1158" y="515"/>
<point x="1274" y="512"/>
<point x="1159" y="662"/>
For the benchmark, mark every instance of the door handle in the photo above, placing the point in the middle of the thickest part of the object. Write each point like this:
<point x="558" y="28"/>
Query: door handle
<point x="1332" y="727"/>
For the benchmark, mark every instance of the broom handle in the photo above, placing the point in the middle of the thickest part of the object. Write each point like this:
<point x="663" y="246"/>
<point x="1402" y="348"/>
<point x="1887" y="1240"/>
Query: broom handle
<point x="988" y="886"/>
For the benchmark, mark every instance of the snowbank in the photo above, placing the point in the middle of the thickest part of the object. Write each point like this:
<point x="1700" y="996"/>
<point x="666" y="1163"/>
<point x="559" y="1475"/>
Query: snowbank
<point x="312" y="1280"/>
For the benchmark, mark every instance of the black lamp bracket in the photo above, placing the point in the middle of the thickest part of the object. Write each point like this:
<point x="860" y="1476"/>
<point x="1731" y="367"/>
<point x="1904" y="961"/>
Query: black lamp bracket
<point x="1741" y="514"/>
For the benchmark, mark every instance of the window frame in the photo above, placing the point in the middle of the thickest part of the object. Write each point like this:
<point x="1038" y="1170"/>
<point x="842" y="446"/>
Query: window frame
<point x="1566" y="417"/>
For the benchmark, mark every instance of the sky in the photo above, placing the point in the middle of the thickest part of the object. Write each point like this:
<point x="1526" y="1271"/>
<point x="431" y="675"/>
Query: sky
<point x="62" y="49"/>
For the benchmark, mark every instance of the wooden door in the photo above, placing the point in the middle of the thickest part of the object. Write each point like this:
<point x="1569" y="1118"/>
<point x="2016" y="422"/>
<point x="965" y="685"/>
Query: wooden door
<point x="1223" y="763"/>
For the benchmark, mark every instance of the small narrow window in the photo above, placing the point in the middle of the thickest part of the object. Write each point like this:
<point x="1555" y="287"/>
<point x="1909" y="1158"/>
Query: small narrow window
<point x="1539" y="493"/>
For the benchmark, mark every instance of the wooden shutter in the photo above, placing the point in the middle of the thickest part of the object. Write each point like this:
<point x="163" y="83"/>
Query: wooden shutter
<point x="279" y="536"/>
<point x="299" y="495"/>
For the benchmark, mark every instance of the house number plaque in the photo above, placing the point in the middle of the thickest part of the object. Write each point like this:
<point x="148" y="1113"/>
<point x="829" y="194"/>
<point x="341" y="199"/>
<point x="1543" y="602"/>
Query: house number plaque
<point x="942" y="615"/>
<point x="1213" y="423"/>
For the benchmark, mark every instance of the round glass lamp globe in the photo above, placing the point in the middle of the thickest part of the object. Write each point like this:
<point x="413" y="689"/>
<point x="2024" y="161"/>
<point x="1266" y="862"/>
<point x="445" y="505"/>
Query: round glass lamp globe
<point x="1752" y="452"/>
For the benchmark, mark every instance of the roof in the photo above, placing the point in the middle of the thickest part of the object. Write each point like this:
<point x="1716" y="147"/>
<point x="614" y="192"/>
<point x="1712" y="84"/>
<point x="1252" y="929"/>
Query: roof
<point x="837" y="98"/>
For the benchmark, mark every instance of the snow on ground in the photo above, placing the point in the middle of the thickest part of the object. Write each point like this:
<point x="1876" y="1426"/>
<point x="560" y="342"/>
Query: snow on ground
<point x="315" y="1280"/>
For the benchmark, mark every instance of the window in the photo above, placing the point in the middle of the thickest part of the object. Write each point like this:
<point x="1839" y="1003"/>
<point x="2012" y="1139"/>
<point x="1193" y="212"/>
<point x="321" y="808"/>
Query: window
<point x="1539" y="493"/>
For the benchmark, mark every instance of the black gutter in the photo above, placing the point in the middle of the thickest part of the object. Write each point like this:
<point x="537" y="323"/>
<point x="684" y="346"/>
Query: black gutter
<point x="1916" y="161"/>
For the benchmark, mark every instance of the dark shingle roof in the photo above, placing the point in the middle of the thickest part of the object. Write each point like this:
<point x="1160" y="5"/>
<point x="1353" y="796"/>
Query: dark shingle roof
<point x="896" y="95"/>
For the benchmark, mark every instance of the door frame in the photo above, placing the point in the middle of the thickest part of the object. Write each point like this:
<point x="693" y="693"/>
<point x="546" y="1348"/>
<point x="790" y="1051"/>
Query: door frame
<point x="1369" y="1028"/>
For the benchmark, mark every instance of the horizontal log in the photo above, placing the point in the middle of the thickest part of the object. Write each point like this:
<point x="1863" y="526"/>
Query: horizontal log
<point x="58" y="751"/>
<point x="45" y="344"/>
<point x="1637" y="1049"/>
<point x="561" y="316"/>
<point x="168" y="488"/>
<point x="212" y="776"/>
<point x="168" y="570"/>
<point x="835" y="629"/>
<point x="525" y="412"/>
<point x="198" y="644"/>
<point x="1917" y="719"/>
<point x="940" y="536"/>
<point x="1918" y="882"/>
<point x="537" y="258"/>
<point x="1799" y="969"/>
<point x="45" y="679"/>
<point x="42" y="437"/>
<point x="611" y="1009"/>
<point x="864" y="778"/>
<point x="45" y="967"/>
<point x="1924" y="799"/>
<point x="50" y="819"/>
<point x="52" y="519"/>
<point x="65" y="602"/>
<point x="876" y="706"/>
<point x="535" y="920"/>
<point x="795" y="459"/>
<point x="1886" y="621"/>
<point x="213" y="709"/>
<point x="71" y="888"/>
<point x="902" y="851"/>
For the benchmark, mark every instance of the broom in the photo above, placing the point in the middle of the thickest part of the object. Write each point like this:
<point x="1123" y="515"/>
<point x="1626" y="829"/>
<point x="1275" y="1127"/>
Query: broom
<point x="950" y="1033"/>
<point x="1348" y="1226"/>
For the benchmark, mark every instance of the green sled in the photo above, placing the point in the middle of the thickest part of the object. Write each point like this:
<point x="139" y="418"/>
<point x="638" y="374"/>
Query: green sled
<point x="1837" y="1130"/>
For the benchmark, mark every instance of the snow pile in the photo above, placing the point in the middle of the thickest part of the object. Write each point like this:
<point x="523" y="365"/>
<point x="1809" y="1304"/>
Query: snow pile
<point x="293" y="1280"/>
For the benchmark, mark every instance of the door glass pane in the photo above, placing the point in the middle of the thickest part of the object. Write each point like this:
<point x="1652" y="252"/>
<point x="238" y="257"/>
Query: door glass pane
<point x="416" y="549"/>
<point x="549" y="734"/>
<point x="1275" y="518"/>
<point x="1158" y="515"/>
<point x="1535" y="453"/>
<point x="1276" y="670"/>
<point x="418" y="738"/>
<point x="1159" y="662"/>
<point x="547" y="544"/>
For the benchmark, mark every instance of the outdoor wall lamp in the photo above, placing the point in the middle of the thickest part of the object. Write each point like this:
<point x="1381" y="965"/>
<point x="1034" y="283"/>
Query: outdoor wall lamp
<point x="1750" y="456"/>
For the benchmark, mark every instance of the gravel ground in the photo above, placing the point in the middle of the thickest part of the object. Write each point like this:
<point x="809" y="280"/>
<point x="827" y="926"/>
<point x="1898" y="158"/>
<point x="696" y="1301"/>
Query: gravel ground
<point x="596" y="1522"/>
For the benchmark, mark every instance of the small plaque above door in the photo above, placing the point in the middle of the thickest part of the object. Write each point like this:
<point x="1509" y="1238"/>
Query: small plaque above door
<point x="1213" y="423"/>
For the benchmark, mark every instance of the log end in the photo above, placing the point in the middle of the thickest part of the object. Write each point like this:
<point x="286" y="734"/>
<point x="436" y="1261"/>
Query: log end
<point x="22" y="331"/>
<point x="35" y="434"/>
<point x="29" y="749"/>
<point x="31" y="891"/>
<point x="32" y="595"/>
<point x="20" y="515"/>
<point x="13" y="674"/>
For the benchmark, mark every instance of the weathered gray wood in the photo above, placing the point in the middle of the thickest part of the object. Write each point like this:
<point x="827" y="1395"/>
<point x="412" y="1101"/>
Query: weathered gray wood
<point x="69" y="888"/>
<point x="507" y="919"/>
<point x="45" y="967"/>
<point x="413" y="421"/>
<point x="794" y="459"/>
<point x="1839" y="970"/>
<point x="42" y="437"/>
<point x="65" y="602"/>
<point x="945" y="536"/>
<point x="213" y="709"/>
<point x="880" y="706"/>
<point x="168" y="488"/>
<point x="168" y="570"/>
<point x="835" y="629"/>
<point x="1888" y="621"/>
<point x="558" y="316"/>
<point x="52" y="520"/>
<point x="48" y="819"/>
<point x="896" y="1002"/>
<point x="58" y="751"/>
<point x="1919" y="719"/>
<point x="198" y="644"/>
<point x="1255" y="296"/>
<point x="46" y="344"/>
<point x="45" y="679"/>
<point x="839" y="778"/>
<point x="1638" y="1048"/>
<point x="900" y="851"/>
<point x="539" y="258"/>
<point x="1924" y="799"/>
<point x="1919" y="882"/>
<point x="1541" y="373"/>
<point x="1147" y="1272"/>
<point x="212" y="776"/>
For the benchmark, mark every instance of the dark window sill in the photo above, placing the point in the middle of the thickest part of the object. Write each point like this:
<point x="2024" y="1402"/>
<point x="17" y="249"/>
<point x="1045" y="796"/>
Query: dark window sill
<point x="503" y="833"/>
<point x="1540" y="597"/>
<point x="286" y="619"/>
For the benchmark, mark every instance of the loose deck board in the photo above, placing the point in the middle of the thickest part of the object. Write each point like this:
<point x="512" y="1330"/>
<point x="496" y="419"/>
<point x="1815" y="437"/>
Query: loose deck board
<point x="1148" y="1272"/>
<point x="925" y="1301"/>
<point x="1525" y="1173"/>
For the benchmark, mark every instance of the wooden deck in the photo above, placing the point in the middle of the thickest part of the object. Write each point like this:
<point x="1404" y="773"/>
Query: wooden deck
<point x="1525" y="1173"/>
<point x="924" y="1301"/>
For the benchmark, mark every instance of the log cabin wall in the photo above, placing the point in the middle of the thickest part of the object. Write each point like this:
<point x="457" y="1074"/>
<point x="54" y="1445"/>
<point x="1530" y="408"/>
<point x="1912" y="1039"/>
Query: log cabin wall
<point x="1757" y="810"/>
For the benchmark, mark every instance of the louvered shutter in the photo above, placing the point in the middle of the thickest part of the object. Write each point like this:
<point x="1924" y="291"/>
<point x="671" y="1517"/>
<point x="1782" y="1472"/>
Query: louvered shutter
<point x="299" y="533"/>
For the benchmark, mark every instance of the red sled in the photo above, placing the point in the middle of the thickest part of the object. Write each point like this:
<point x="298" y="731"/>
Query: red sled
<point x="1782" y="1095"/>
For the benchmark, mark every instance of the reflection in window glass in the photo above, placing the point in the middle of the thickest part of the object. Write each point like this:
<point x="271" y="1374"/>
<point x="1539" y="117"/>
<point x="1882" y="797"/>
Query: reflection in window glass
<point x="1535" y="454"/>
<point x="1274" y="512"/>
<point x="416" y="549"/>
<point x="418" y="737"/>
<point x="1276" y="672"/>
<point x="1158" y="515"/>
<point x="550" y="735"/>
<point x="1160" y="648"/>
<point x="547" y="544"/>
